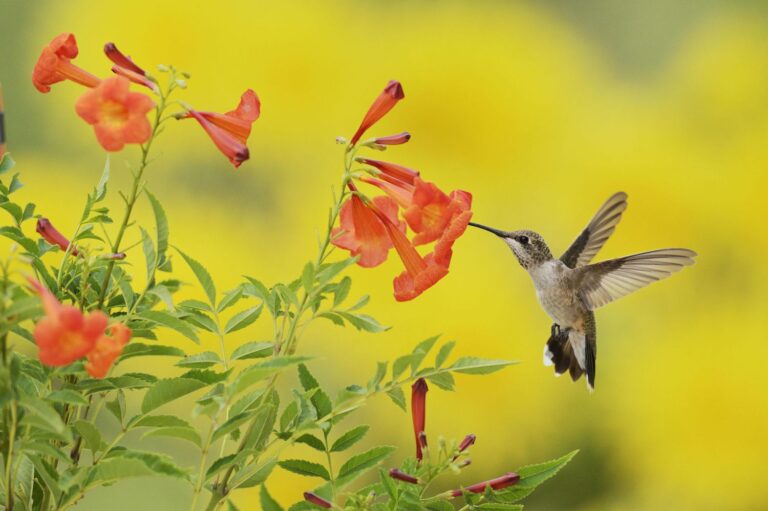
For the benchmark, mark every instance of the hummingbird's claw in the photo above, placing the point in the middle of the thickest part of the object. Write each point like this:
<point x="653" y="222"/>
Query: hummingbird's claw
<point x="555" y="331"/>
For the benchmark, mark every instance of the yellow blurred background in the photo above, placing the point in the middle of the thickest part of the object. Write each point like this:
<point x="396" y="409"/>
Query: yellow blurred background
<point x="541" y="110"/>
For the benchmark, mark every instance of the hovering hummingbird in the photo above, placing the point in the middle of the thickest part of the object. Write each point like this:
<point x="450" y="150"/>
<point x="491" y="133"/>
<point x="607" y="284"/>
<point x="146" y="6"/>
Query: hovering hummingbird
<point x="570" y="289"/>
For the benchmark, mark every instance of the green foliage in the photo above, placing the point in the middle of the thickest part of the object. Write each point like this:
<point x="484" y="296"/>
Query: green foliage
<point x="236" y="406"/>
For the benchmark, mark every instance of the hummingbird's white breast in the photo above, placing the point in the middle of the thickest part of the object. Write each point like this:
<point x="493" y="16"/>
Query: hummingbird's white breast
<point x="555" y="293"/>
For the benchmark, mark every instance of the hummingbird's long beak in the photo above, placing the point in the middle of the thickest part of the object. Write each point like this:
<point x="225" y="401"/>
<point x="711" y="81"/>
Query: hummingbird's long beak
<point x="497" y="232"/>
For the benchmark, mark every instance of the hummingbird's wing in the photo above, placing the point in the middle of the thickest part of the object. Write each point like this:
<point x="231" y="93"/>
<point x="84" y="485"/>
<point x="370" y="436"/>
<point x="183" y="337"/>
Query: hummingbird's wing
<point x="604" y="282"/>
<point x="594" y="236"/>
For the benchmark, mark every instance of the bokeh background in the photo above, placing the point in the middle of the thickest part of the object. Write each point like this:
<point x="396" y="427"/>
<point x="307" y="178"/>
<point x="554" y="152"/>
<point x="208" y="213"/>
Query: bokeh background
<point x="542" y="110"/>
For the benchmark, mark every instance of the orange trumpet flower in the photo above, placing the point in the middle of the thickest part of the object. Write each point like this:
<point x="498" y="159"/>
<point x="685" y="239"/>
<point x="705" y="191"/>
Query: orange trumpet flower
<point x="65" y="334"/>
<point x="54" y="65"/>
<point x="107" y="349"/>
<point x="118" y="116"/>
<point x="388" y="98"/>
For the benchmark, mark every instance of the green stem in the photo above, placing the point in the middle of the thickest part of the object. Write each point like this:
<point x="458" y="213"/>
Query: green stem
<point x="286" y="343"/>
<point x="201" y="469"/>
<point x="136" y="188"/>
<point x="9" y="457"/>
<point x="332" y="479"/>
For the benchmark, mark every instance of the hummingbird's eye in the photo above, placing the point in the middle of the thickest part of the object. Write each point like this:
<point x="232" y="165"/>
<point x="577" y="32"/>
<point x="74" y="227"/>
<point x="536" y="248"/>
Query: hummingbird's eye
<point x="523" y="239"/>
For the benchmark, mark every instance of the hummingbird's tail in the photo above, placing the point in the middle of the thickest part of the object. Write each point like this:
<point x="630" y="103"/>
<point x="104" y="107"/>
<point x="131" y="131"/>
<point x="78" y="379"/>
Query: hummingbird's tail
<point x="572" y="351"/>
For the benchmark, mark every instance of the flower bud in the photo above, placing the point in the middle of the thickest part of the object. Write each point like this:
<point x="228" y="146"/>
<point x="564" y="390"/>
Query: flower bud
<point x="400" y="138"/>
<point x="116" y="56"/>
<point x="317" y="500"/>
<point x="418" y="414"/>
<point x="402" y="476"/>
<point x="508" y="479"/>
<point x="468" y="441"/>
<point x="388" y="98"/>
<point x="50" y="234"/>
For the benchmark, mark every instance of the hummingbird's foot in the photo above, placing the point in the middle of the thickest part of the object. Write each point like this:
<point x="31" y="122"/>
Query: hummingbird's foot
<point x="555" y="330"/>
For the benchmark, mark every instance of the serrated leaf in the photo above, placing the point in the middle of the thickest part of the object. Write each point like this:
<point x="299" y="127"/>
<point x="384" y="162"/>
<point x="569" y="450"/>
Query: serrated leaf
<point x="137" y="349"/>
<point x="170" y="321"/>
<point x="42" y="415"/>
<point x="312" y="441"/>
<point x="158" y="421"/>
<point x="420" y="352"/>
<point x="150" y="256"/>
<point x="219" y="465"/>
<point x="400" y="365"/>
<point x="202" y="276"/>
<point x="230" y="298"/>
<point x="308" y="276"/>
<point x="243" y="319"/>
<point x="261" y="475"/>
<point x="165" y="391"/>
<point x="90" y="435"/>
<point x="363" y="322"/>
<point x="474" y="365"/>
<point x="305" y="468"/>
<point x="231" y="424"/>
<point x="200" y="360"/>
<point x="444" y="353"/>
<point x="358" y="464"/>
<point x="534" y="475"/>
<point x="251" y="350"/>
<point x="328" y="272"/>
<point x="66" y="396"/>
<point x="262" y="370"/>
<point x="397" y="396"/>
<point x="182" y="433"/>
<point x="443" y="380"/>
<point x="349" y="438"/>
<point x="161" y="224"/>
<point x="267" y="502"/>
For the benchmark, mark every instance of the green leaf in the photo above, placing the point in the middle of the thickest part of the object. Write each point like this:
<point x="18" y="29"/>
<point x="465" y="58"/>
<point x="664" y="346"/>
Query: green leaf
<point x="41" y="415"/>
<point x="243" y="319"/>
<point x="67" y="396"/>
<point x="474" y="365"/>
<point x="6" y="163"/>
<point x="363" y="322"/>
<point x="262" y="370"/>
<point x="158" y="421"/>
<point x="220" y="464"/>
<point x="16" y="235"/>
<point x="182" y="433"/>
<point x="251" y="350"/>
<point x="246" y="402"/>
<point x="305" y="468"/>
<point x="149" y="254"/>
<point x="320" y="400"/>
<point x="230" y="298"/>
<point x="342" y="291"/>
<point x="137" y="349"/>
<point x="358" y="464"/>
<point x="231" y="424"/>
<point x="263" y="421"/>
<point x="308" y="276"/>
<point x="312" y="441"/>
<point x="202" y="276"/>
<point x="327" y="272"/>
<point x="90" y="434"/>
<point x="45" y="449"/>
<point x="444" y="353"/>
<point x="400" y="365"/>
<point x="101" y="188"/>
<point x="161" y="223"/>
<point x="168" y="320"/>
<point x="133" y="464"/>
<point x="349" y="438"/>
<point x="443" y="380"/>
<point x="267" y="502"/>
<point x="117" y="406"/>
<point x="261" y="474"/>
<point x="397" y="396"/>
<point x="534" y="475"/>
<point x="420" y="352"/>
<point x="200" y="360"/>
<point x="165" y="391"/>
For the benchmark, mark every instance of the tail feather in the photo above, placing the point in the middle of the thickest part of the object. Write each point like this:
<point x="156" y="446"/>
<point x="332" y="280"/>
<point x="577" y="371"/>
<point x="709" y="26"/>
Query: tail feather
<point x="559" y="352"/>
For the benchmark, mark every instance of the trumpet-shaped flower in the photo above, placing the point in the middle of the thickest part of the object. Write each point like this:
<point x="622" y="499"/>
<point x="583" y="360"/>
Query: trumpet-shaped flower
<point x="65" y="334"/>
<point x="230" y="131"/>
<point x="54" y="65"/>
<point x="508" y="479"/>
<point x="432" y="211"/>
<point x="400" y="138"/>
<point x="50" y="234"/>
<point x="388" y="98"/>
<point x="362" y="231"/>
<point x="107" y="349"/>
<point x="122" y="60"/>
<point x="392" y="171"/>
<point x="419" y="391"/>
<point x="118" y="116"/>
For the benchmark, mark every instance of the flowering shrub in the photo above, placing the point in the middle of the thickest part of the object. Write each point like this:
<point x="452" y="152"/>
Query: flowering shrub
<point x="87" y="307"/>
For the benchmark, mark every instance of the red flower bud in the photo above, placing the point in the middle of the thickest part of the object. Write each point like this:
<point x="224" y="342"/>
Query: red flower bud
<point x="116" y="56"/>
<point x="400" y="138"/>
<point x="49" y="233"/>
<point x="402" y="476"/>
<point x="135" y="77"/>
<point x="393" y="170"/>
<point x="465" y="463"/>
<point x="317" y="500"/>
<point x="508" y="479"/>
<point x="388" y="98"/>
<point x="468" y="441"/>
<point x="418" y="414"/>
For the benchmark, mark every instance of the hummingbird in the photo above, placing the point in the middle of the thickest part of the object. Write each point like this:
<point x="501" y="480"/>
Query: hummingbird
<point x="570" y="288"/>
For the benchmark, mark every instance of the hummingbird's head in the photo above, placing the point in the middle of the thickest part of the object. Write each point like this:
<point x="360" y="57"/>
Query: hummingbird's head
<point x="528" y="246"/>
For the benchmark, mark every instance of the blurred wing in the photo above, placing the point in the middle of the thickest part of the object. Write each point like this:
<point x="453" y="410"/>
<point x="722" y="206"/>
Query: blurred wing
<point x="604" y="282"/>
<point x="594" y="236"/>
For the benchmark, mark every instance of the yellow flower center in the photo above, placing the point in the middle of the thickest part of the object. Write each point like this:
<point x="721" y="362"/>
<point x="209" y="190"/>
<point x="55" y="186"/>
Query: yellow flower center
<point x="113" y="113"/>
